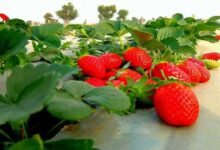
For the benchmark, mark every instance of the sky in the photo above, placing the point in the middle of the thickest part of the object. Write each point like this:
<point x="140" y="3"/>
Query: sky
<point x="87" y="9"/>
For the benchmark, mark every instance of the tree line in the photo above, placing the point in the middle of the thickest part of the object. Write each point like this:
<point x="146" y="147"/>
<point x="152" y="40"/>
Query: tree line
<point x="68" y="13"/>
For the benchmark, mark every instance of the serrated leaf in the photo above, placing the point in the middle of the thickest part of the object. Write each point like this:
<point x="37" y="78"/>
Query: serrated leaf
<point x="169" y="32"/>
<point x="12" y="42"/>
<point x="64" y="106"/>
<point x="153" y="44"/>
<point x="31" y="99"/>
<point x="109" y="98"/>
<point x="204" y="27"/>
<point x="187" y="50"/>
<point x="171" y="43"/>
<point x="211" y="39"/>
<point x="21" y="77"/>
<point x="184" y="41"/>
<point x="52" y="41"/>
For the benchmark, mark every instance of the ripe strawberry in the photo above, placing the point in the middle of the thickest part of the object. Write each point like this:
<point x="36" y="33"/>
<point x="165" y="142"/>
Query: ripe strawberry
<point x="111" y="60"/>
<point x="217" y="37"/>
<point x="138" y="57"/>
<point x="205" y="74"/>
<point x="96" y="82"/>
<point x="92" y="66"/>
<point x="169" y="70"/>
<point x="197" y="61"/>
<point x="191" y="70"/>
<point x="4" y="17"/>
<point x="110" y="74"/>
<point x="176" y="104"/>
<point x="212" y="55"/>
<point x="117" y="83"/>
<point x="128" y="73"/>
<point x="211" y="64"/>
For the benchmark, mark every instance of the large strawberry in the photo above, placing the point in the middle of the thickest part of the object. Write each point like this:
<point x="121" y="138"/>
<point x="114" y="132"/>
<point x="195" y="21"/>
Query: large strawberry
<point x="176" y="104"/>
<point x="128" y="73"/>
<point x="138" y="57"/>
<point x="191" y="70"/>
<point x="197" y="61"/>
<point x="111" y="60"/>
<point x="205" y="74"/>
<point x="212" y="55"/>
<point x="169" y="70"/>
<point x="92" y="66"/>
<point x="96" y="82"/>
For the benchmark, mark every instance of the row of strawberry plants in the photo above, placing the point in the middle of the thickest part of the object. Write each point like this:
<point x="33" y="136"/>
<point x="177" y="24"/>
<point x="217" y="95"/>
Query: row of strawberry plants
<point x="149" y="64"/>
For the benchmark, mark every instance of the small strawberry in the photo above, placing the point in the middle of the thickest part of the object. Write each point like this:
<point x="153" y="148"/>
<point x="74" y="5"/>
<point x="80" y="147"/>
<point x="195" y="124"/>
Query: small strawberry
<point x="197" y="61"/>
<point x="191" y="70"/>
<point x="112" y="61"/>
<point x="92" y="66"/>
<point x="211" y="64"/>
<point x="128" y="73"/>
<point x="138" y="57"/>
<point x="205" y="74"/>
<point x="169" y="70"/>
<point x="96" y="82"/>
<point x="117" y="83"/>
<point x="217" y="37"/>
<point x="212" y="55"/>
<point x="176" y="104"/>
<point x="4" y="17"/>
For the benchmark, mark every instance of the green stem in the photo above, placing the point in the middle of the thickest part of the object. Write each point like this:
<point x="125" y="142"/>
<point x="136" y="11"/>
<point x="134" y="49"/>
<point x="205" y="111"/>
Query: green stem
<point x="6" y="135"/>
<point x="121" y="41"/>
<point x="24" y="130"/>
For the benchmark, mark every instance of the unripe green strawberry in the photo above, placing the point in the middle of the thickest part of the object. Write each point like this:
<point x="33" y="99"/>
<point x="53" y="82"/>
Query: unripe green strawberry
<point x="211" y="64"/>
<point x="205" y="74"/>
<point x="176" y="104"/>
<point x="169" y="70"/>
<point x="111" y="60"/>
<point x="128" y="73"/>
<point x="212" y="55"/>
<point x="96" y="82"/>
<point x="191" y="70"/>
<point x="197" y="61"/>
<point x="138" y="57"/>
<point x="92" y="66"/>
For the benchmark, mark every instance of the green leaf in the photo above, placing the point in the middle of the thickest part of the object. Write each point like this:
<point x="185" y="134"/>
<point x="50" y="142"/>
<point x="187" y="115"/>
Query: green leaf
<point x="204" y="27"/>
<point x="52" y="41"/>
<point x="109" y="98"/>
<point x="178" y="16"/>
<point x="211" y="39"/>
<point x="139" y="33"/>
<point x="12" y="42"/>
<point x="28" y="144"/>
<point x="187" y="50"/>
<point x="70" y="144"/>
<point x="184" y="41"/>
<point x="214" y="19"/>
<point x="153" y="44"/>
<point x="64" y="106"/>
<point x="77" y="88"/>
<point x="104" y="28"/>
<point x="171" y="43"/>
<point x="21" y="77"/>
<point x="30" y="100"/>
<point x="169" y="32"/>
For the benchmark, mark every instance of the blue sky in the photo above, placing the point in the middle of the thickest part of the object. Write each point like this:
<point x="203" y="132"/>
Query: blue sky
<point x="35" y="9"/>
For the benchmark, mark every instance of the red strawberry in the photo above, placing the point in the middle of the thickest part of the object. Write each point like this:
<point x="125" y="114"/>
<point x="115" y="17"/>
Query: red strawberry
<point x="96" y="82"/>
<point x="191" y="70"/>
<point x="117" y="83"/>
<point x="138" y="57"/>
<point x="169" y="70"/>
<point x="197" y="61"/>
<point x="110" y="74"/>
<point x="212" y="55"/>
<point x="217" y="37"/>
<point x="92" y="66"/>
<point x="176" y="104"/>
<point x="4" y="17"/>
<point x="128" y="73"/>
<point x="205" y="74"/>
<point x="112" y="61"/>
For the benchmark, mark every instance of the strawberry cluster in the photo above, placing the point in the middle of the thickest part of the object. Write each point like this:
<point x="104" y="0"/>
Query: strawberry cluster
<point x="174" y="102"/>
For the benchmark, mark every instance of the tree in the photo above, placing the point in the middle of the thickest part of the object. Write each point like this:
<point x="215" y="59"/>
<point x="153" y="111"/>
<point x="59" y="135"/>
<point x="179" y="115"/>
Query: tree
<point x="48" y="17"/>
<point x="67" y="13"/>
<point x="122" y="14"/>
<point x="106" y="12"/>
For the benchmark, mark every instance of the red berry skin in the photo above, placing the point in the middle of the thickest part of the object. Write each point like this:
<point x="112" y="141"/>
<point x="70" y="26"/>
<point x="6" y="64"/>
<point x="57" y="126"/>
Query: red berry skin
<point x="176" y="104"/>
<point x="138" y="57"/>
<point x="212" y="55"/>
<point x="191" y="70"/>
<point x="197" y="61"/>
<point x="217" y="37"/>
<point x="111" y="60"/>
<point x="96" y="82"/>
<point x="205" y="74"/>
<point x="128" y="73"/>
<point x="117" y="83"/>
<point x="92" y="66"/>
<point x="110" y="74"/>
<point x="169" y="70"/>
